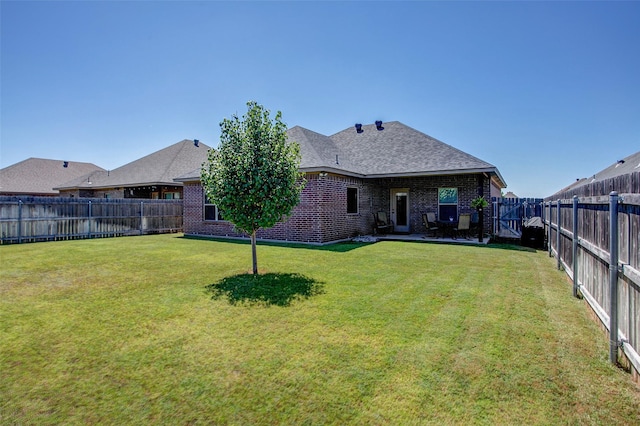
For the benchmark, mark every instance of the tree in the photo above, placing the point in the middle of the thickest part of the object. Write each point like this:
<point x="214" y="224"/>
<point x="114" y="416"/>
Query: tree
<point x="253" y="177"/>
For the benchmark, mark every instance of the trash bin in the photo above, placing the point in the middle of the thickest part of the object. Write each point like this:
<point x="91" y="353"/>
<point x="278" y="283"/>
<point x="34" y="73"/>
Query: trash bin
<point x="533" y="233"/>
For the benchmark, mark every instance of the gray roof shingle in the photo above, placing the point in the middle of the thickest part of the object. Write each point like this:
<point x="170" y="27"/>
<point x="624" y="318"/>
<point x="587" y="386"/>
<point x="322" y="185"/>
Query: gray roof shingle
<point x="402" y="150"/>
<point x="158" y="168"/>
<point x="621" y="167"/>
<point x="398" y="150"/>
<point x="39" y="176"/>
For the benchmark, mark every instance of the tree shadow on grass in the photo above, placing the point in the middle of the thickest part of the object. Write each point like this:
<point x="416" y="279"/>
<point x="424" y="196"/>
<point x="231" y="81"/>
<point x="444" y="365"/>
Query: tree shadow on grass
<point x="265" y="289"/>
<point x="341" y="247"/>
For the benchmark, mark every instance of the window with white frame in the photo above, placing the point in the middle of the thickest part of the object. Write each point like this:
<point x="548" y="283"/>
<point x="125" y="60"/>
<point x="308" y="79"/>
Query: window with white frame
<point x="352" y="200"/>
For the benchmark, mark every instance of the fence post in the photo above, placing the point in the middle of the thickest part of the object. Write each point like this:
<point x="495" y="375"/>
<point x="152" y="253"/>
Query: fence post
<point x="574" y="250"/>
<point x="496" y="216"/>
<point x="613" y="277"/>
<point x="19" y="221"/>
<point x="548" y="218"/>
<point x="89" y="214"/>
<point x="558" y="236"/>
<point x="141" y="216"/>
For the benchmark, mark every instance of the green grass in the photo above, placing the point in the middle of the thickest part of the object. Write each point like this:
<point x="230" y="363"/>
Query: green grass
<point x="167" y="330"/>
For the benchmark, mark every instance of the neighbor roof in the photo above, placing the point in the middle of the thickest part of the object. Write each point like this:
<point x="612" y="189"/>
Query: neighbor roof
<point x="625" y="166"/>
<point x="396" y="151"/>
<point x="621" y="167"/>
<point x="39" y="176"/>
<point x="158" y="168"/>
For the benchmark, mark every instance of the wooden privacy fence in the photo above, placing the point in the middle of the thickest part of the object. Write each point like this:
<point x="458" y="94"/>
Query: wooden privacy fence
<point x="596" y="240"/>
<point x="30" y="219"/>
<point x="510" y="213"/>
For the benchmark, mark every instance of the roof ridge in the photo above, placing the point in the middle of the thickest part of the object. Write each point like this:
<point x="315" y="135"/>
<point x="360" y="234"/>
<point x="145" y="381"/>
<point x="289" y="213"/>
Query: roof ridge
<point x="181" y="148"/>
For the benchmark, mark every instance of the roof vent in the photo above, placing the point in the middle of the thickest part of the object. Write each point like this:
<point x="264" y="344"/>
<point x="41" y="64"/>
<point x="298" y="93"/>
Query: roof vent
<point x="359" y="128"/>
<point x="196" y="142"/>
<point x="65" y="164"/>
<point x="379" y="125"/>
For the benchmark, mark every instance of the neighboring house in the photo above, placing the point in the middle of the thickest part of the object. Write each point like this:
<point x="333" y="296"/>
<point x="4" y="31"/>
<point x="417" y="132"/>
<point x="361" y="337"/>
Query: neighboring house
<point x="622" y="176"/>
<point x="39" y="176"/>
<point x="149" y="177"/>
<point x="510" y="195"/>
<point x="351" y="175"/>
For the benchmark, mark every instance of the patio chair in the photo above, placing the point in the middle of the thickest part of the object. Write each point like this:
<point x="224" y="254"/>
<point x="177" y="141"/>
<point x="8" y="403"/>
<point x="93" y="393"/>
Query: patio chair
<point x="381" y="224"/>
<point x="464" y="224"/>
<point x="429" y="220"/>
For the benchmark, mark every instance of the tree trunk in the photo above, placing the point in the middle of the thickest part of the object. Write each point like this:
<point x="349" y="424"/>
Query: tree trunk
<point x="254" y="253"/>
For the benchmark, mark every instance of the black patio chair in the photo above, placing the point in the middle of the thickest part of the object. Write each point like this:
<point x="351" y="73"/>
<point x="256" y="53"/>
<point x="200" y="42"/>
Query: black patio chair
<point x="429" y="221"/>
<point x="381" y="224"/>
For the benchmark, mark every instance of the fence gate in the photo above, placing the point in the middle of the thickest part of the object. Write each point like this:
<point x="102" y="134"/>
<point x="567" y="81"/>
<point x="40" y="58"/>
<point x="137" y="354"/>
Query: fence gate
<point x="510" y="213"/>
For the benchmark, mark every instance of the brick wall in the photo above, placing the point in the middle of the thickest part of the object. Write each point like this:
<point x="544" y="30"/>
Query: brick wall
<point x="321" y="216"/>
<point x="423" y="195"/>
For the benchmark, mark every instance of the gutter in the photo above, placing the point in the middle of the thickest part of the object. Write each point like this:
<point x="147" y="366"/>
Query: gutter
<point x="119" y="185"/>
<point x="493" y="171"/>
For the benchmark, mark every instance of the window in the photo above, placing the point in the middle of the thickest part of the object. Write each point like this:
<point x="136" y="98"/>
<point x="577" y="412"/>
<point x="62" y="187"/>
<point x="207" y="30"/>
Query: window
<point x="211" y="211"/>
<point x="352" y="200"/>
<point x="448" y="204"/>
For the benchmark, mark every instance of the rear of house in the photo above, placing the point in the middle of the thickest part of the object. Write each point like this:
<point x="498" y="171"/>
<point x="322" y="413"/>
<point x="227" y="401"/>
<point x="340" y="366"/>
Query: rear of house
<point x="355" y="173"/>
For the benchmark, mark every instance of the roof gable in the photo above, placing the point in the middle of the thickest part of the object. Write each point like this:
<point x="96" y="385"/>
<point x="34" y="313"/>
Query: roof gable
<point x="158" y="168"/>
<point x="400" y="149"/>
<point x="319" y="151"/>
<point x="38" y="176"/>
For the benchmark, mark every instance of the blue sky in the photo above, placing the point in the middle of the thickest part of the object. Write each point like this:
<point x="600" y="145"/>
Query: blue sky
<point x="546" y="91"/>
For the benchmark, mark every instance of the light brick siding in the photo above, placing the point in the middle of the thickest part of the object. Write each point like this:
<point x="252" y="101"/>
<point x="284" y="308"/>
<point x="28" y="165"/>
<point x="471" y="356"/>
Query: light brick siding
<point x="321" y="216"/>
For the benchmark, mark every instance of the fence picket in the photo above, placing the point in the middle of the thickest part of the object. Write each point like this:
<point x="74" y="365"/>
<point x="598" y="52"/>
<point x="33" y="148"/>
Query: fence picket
<point x="597" y="217"/>
<point x="30" y="219"/>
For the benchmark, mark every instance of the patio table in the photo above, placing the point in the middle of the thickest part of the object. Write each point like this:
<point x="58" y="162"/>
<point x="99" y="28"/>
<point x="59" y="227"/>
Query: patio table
<point x="447" y="227"/>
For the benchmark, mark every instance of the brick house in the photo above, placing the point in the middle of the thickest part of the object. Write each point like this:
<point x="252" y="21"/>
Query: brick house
<point x="351" y="175"/>
<point x="149" y="177"/>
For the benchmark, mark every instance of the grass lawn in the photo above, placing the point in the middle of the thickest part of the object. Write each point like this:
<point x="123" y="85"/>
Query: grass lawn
<point x="166" y="330"/>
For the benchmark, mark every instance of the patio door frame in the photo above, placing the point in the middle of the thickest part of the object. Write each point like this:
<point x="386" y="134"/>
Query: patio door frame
<point x="394" y="193"/>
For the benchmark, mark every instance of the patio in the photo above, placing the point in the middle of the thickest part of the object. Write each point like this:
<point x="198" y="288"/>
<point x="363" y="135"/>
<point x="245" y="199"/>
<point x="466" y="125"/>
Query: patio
<point x="427" y="239"/>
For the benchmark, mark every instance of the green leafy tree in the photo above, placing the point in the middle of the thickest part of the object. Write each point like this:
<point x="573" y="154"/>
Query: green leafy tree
<point x="253" y="176"/>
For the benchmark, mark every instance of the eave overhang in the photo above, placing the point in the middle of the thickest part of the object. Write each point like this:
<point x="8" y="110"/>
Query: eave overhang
<point x="117" y="185"/>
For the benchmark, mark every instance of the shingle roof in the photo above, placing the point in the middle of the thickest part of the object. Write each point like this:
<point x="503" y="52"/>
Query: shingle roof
<point x="398" y="150"/>
<point x="158" y="168"/>
<point x="621" y="167"/>
<point x="402" y="150"/>
<point x="320" y="152"/>
<point x="38" y="176"/>
<point x="625" y="166"/>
